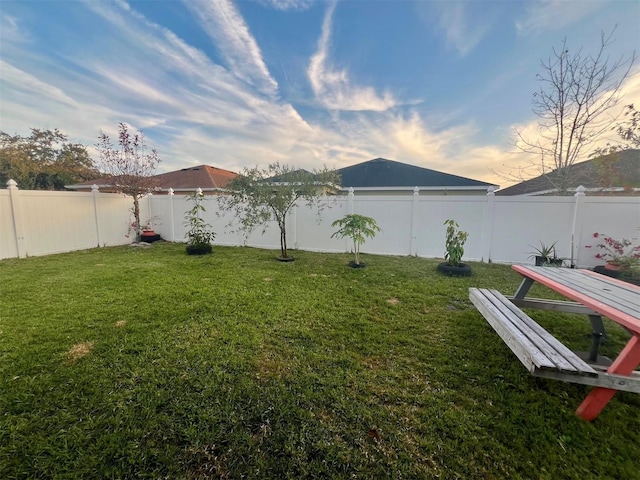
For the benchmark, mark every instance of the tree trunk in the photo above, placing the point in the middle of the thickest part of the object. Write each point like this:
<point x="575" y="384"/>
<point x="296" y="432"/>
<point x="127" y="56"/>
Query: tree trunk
<point x="136" y="215"/>
<point x="283" y="238"/>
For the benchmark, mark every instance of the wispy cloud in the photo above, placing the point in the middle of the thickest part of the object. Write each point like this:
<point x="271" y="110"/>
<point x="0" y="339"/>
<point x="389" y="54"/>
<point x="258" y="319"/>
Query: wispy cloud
<point x="20" y="81"/>
<point x="296" y="5"/>
<point x="332" y="86"/>
<point x="555" y="15"/>
<point x="11" y="29"/>
<point x="462" y="32"/>
<point x="222" y="22"/>
<point x="196" y="109"/>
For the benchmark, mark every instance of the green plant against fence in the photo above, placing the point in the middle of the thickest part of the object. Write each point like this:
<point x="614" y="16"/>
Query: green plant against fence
<point x="358" y="228"/>
<point x="200" y="235"/>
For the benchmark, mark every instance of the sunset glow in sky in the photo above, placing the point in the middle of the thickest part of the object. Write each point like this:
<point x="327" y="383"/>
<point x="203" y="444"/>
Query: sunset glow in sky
<point x="308" y="83"/>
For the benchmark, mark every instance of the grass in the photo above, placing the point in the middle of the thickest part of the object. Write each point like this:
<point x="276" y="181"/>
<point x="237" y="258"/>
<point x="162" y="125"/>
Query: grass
<point x="123" y="362"/>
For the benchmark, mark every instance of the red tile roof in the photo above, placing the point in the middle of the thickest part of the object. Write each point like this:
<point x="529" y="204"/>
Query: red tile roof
<point x="203" y="176"/>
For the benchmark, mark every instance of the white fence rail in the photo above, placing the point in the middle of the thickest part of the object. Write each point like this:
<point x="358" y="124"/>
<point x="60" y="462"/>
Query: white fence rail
<point x="501" y="229"/>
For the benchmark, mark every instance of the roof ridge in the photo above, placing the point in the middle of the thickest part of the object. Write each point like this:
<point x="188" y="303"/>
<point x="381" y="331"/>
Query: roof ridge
<point x="211" y="175"/>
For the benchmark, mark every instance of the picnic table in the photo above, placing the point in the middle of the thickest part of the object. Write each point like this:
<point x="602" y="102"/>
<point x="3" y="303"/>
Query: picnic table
<point x="591" y="294"/>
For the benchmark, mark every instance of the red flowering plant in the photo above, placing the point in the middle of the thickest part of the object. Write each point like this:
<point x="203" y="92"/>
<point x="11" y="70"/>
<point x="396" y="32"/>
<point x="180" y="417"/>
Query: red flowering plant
<point x="625" y="252"/>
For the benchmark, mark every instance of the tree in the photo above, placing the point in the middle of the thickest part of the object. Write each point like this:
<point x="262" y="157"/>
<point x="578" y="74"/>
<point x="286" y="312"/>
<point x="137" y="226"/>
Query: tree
<point x="45" y="160"/>
<point x="608" y="160"/>
<point x="357" y="227"/>
<point x="573" y="103"/>
<point x="258" y="196"/>
<point x="454" y="243"/>
<point x="628" y="130"/>
<point x="130" y="166"/>
<point x="200" y="235"/>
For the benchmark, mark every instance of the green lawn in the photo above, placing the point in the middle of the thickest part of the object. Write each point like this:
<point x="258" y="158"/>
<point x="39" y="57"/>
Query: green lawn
<point x="124" y="362"/>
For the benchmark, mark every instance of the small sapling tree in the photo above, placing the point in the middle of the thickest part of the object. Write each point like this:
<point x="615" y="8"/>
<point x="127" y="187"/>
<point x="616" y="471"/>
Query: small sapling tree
<point x="357" y="227"/>
<point x="454" y="243"/>
<point x="200" y="234"/>
<point x="130" y="166"/>
<point x="258" y="196"/>
<point x="454" y="246"/>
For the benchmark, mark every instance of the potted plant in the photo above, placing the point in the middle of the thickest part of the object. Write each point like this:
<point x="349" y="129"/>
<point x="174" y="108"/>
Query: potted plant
<point x="546" y="255"/>
<point x="147" y="228"/>
<point x="148" y="233"/>
<point x="357" y="227"/>
<point x="618" y="255"/>
<point x="454" y="245"/>
<point x="200" y="236"/>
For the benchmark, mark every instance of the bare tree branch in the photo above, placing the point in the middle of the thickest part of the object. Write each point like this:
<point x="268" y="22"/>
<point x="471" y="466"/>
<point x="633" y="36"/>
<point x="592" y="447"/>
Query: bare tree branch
<point x="130" y="166"/>
<point x="573" y="105"/>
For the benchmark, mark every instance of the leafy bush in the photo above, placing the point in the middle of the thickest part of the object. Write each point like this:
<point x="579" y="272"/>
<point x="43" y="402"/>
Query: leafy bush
<point x="200" y="233"/>
<point x="454" y="243"/>
<point x="357" y="227"/>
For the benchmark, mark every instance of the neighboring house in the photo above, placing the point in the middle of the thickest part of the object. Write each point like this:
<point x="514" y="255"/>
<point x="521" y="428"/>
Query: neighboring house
<point x="613" y="174"/>
<point x="211" y="180"/>
<point x="301" y="174"/>
<point x="387" y="177"/>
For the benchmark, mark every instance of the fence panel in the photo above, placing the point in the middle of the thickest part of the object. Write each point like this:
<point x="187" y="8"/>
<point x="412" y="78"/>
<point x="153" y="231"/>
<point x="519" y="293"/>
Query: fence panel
<point x="54" y="222"/>
<point x="501" y="229"/>
<point x="467" y="211"/>
<point x="617" y="217"/>
<point x="57" y="223"/>
<point x="313" y="231"/>
<point x="521" y="223"/>
<point x="393" y="216"/>
<point x="8" y="244"/>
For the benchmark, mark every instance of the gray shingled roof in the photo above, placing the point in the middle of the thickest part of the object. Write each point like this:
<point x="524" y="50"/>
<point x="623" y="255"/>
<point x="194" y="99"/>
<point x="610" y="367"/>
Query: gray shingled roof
<point x="616" y="170"/>
<point x="381" y="172"/>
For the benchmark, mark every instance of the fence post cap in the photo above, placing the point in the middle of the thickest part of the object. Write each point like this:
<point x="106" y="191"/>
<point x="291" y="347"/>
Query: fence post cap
<point x="491" y="190"/>
<point x="94" y="188"/>
<point x="580" y="191"/>
<point x="12" y="184"/>
<point x="170" y="191"/>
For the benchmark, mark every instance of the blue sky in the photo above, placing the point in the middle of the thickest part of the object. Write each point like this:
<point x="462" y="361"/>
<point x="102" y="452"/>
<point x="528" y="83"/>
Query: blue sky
<point x="233" y="84"/>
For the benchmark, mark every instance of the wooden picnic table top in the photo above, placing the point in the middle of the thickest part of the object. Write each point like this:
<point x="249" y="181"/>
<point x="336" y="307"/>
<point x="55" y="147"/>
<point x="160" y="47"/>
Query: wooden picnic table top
<point x="612" y="298"/>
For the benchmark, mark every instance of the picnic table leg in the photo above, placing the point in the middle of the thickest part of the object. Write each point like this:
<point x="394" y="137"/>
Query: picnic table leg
<point x="598" y="398"/>
<point x="597" y="336"/>
<point x="524" y="287"/>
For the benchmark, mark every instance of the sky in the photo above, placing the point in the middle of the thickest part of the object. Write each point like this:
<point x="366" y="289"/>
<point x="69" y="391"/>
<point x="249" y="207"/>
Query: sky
<point x="438" y="84"/>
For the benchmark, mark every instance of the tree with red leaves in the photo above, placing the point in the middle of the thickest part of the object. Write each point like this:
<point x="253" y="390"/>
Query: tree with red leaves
<point x="130" y="166"/>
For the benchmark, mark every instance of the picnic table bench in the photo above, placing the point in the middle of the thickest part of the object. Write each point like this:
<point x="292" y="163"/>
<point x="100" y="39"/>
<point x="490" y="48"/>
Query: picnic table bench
<point x="545" y="356"/>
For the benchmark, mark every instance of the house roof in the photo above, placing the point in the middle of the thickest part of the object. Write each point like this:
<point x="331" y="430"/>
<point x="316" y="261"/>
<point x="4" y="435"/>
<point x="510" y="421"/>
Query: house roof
<point x="294" y="175"/>
<point x="202" y="176"/>
<point x="381" y="172"/>
<point x="615" y="173"/>
<point x="205" y="177"/>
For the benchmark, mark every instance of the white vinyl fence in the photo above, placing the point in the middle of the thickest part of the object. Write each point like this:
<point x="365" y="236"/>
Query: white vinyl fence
<point x="41" y="222"/>
<point x="501" y="229"/>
